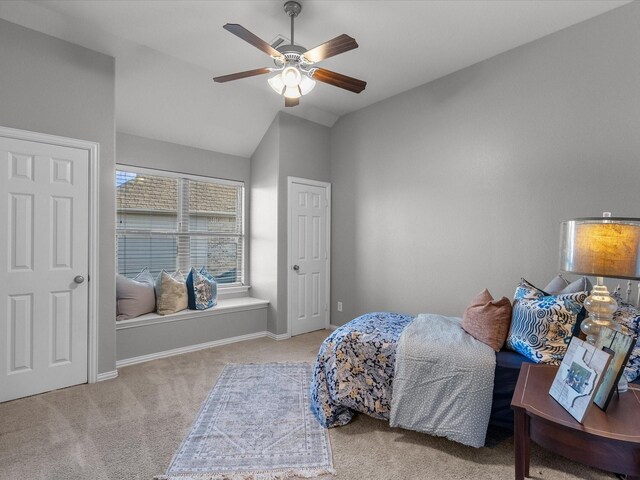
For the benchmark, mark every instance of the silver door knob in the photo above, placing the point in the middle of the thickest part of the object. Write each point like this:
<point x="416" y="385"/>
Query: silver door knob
<point x="78" y="279"/>
<point x="296" y="267"/>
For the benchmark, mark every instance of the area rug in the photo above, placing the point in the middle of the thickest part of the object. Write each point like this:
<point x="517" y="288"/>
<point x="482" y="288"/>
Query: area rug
<point x="255" y="424"/>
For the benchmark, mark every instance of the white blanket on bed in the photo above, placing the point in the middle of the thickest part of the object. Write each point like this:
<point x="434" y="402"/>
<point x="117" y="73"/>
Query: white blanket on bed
<point x="443" y="382"/>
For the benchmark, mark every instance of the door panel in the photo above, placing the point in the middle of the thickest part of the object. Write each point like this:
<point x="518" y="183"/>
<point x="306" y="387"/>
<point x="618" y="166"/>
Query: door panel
<point x="308" y="286"/>
<point x="44" y="204"/>
<point x="20" y="332"/>
<point x="61" y="322"/>
<point x="21" y="231"/>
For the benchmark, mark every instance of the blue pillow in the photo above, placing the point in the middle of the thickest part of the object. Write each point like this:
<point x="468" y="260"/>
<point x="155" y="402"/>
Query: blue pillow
<point x="541" y="324"/>
<point x="201" y="289"/>
<point x="214" y="286"/>
<point x="557" y="286"/>
<point x="527" y="291"/>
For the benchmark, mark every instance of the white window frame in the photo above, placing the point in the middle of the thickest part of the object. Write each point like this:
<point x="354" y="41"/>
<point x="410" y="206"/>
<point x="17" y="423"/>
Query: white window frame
<point x="178" y="231"/>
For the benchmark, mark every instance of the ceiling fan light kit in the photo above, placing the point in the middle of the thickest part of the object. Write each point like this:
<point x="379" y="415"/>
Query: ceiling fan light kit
<point x="296" y="74"/>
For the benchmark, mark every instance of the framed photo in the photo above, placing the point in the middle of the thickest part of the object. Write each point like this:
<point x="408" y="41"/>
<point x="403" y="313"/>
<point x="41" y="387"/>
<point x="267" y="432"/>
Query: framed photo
<point x="579" y="377"/>
<point x="620" y="347"/>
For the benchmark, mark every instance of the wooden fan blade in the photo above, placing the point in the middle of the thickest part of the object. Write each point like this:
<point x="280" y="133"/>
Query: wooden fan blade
<point x="247" y="36"/>
<point x="239" y="75"/>
<point x="291" y="102"/>
<point x="340" y="44"/>
<point x="338" y="80"/>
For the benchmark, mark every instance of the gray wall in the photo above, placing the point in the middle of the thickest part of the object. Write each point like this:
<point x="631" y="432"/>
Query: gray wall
<point x="291" y="147"/>
<point x="55" y="87"/>
<point x="304" y="153"/>
<point x="461" y="183"/>
<point x="263" y="217"/>
<point x="145" y="152"/>
<point x="146" y="340"/>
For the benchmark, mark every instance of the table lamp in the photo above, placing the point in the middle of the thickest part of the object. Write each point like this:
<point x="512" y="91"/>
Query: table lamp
<point x="601" y="247"/>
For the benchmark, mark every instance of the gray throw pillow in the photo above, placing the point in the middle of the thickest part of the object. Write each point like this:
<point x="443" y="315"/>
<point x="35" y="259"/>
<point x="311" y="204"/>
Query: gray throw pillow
<point x="560" y="286"/>
<point x="583" y="284"/>
<point x="556" y="285"/>
<point x="135" y="297"/>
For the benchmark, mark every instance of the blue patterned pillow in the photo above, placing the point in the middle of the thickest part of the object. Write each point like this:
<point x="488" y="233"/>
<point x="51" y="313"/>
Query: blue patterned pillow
<point x="629" y="316"/>
<point x="557" y="286"/>
<point x="542" y="325"/>
<point x="214" y="286"/>
<point x="201" y="289"/>
<point x="527" y="291"/>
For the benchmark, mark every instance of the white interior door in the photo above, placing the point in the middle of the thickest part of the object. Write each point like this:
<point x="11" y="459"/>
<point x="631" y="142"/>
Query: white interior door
<point x="43" y="267"/>
<point x="309" y="221"/>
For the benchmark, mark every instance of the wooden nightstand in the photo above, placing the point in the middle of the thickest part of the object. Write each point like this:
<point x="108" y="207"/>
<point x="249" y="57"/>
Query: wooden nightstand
<point x="610" y="441"/>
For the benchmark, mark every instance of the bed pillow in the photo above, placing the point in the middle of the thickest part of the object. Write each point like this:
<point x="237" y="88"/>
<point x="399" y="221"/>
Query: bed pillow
<point x="135" y="297"/>
<point x="542" y="325"/>
<point x="560" y="286"/>
<point x="488" y="320"/>
<point x="527" y="291"/>
<point x="171" y="293"/>
<point x="201" y="289"/>
<point x="556" y="285"/>
<point x="583" y="284"/>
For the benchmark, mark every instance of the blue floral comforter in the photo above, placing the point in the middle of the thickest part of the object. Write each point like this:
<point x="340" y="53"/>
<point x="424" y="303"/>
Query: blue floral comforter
<point x="355" y="367"/>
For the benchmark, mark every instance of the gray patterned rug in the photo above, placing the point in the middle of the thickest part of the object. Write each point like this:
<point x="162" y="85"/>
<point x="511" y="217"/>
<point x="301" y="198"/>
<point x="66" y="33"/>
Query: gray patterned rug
<point x="255" y="425"/>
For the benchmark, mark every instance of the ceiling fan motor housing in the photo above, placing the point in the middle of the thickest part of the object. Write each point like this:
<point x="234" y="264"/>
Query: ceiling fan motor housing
<point x="292" y="55"/>
<point x="292" y="8"/>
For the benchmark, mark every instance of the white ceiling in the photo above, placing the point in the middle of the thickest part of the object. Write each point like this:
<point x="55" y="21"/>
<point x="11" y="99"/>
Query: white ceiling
<point x="167" y="52"/>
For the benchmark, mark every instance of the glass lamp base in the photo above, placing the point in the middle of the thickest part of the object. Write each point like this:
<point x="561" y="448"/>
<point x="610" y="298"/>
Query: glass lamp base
<point x="601" y="307"/>
<point x="591" y="328"/>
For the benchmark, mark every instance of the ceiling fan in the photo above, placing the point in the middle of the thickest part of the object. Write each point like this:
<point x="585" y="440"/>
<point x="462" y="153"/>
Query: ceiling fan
<point x="296" y="73"/>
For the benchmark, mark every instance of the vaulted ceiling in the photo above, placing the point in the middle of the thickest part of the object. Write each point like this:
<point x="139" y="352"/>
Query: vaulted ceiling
<point x="168" y="51"/>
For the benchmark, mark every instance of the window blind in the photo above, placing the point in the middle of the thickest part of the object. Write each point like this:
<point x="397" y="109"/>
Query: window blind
<point x="169" y="221"/>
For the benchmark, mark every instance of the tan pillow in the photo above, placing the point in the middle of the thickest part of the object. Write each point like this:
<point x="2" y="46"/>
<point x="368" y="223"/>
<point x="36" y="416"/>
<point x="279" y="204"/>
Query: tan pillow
<point x="488" y="320"/>
<point x="171" y="293"/>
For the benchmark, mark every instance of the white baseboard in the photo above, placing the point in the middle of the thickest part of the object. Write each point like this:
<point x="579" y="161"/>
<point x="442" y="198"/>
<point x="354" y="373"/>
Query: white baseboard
<point x="282" y="336"/>
<point x="285" y="336"/>
<point x="191" y="348"/>
<point x="107" y="375"/>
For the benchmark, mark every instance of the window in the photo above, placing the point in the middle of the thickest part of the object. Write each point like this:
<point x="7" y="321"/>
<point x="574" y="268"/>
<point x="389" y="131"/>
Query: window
<point x="173" y="221"/>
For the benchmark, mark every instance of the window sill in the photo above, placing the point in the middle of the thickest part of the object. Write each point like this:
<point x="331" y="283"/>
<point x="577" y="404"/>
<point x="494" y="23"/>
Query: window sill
<point x="232" y="291"/>
<point x="225" y="305"/>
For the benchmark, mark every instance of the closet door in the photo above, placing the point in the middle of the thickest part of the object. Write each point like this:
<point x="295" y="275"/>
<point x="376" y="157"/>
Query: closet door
<point x="309" y="233"/>
<point x="44" y="199"/>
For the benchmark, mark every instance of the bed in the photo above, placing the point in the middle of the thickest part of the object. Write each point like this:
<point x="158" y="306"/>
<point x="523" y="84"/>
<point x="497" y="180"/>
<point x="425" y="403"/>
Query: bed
<point x="376" y="364"/>
<point x="356" y="366"/>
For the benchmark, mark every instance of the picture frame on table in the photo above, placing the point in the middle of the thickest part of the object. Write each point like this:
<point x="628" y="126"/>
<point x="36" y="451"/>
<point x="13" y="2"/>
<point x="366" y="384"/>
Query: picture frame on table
<point x="579" y="377"/>
<point x="620" y="345"/>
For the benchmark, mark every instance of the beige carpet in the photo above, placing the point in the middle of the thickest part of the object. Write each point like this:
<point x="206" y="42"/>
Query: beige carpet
<point x="130" y="427"/>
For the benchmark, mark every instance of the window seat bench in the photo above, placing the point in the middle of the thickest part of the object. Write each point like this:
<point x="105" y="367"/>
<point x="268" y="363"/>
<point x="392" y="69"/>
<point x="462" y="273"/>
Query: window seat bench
<point x="153" y="336"/>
